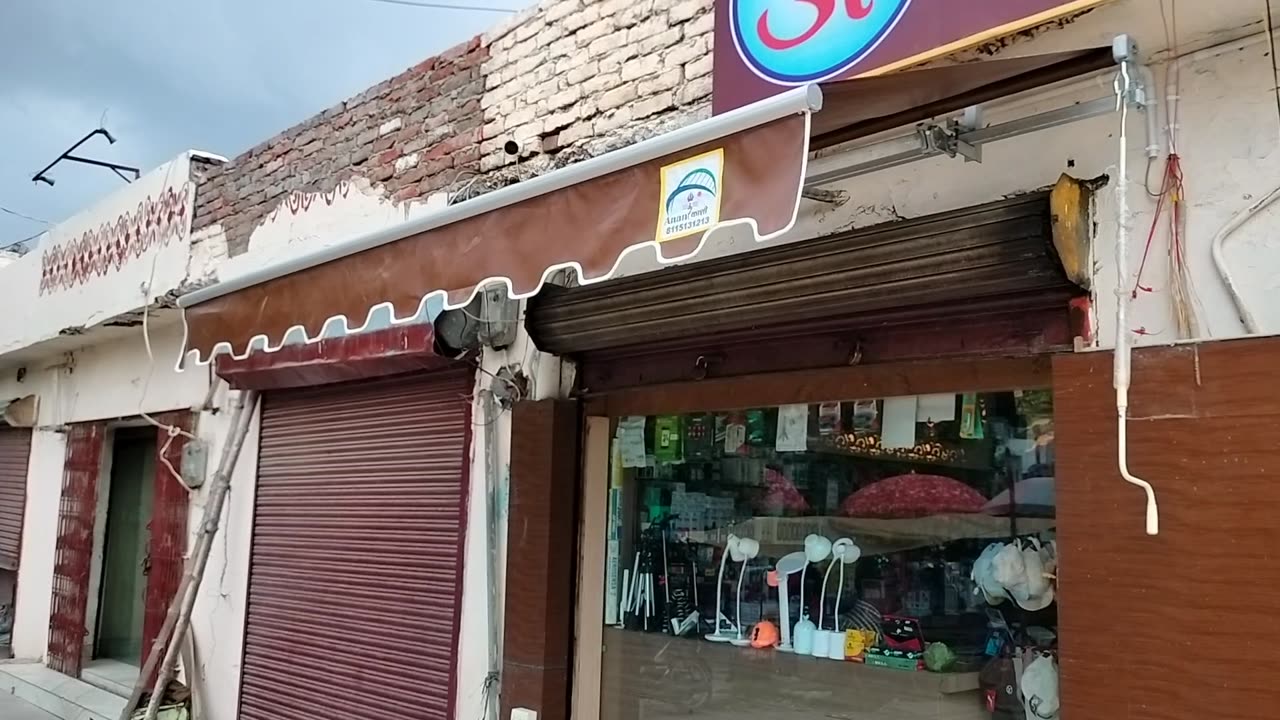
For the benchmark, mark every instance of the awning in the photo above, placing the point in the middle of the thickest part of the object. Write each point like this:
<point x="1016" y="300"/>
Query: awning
<point x="745" y="167"/>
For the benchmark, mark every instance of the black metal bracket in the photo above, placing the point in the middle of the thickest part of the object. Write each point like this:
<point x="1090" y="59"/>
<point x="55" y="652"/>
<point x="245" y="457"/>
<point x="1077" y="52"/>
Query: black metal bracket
<point x="66" y="155"/>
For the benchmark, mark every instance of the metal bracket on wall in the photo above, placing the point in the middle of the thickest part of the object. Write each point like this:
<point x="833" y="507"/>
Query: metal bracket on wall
<point x="963" y="137"/>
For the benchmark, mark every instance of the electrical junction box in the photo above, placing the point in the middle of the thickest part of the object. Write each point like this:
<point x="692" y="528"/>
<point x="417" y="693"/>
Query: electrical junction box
<point x="195" y="462"/>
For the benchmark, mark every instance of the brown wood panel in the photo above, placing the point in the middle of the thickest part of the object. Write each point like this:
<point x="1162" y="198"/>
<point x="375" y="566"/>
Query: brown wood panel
<point x="1185" y="624"/>
<point x="809" y="386"/>
<point x="542" y="533"/>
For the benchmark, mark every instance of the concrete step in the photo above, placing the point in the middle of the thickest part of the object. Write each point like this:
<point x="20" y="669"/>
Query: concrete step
<point x="62" y="697"/>
<point x="113" y="676"/>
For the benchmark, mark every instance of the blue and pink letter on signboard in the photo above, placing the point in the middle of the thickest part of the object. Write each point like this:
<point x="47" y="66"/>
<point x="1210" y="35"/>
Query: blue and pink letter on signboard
<point x="764" y="46"/>
<point x="799" y="41"/>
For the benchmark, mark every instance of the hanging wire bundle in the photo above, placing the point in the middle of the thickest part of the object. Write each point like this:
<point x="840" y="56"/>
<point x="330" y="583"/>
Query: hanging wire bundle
<point x="1171" y="203"/>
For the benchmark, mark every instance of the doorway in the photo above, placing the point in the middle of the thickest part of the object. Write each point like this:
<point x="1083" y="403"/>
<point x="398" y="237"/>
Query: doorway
<point x="129" y="500"/>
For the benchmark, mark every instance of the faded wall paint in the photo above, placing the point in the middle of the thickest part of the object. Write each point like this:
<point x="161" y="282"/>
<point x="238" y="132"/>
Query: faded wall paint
<point x="110" y="259"/>
<point x="117" y="380"/>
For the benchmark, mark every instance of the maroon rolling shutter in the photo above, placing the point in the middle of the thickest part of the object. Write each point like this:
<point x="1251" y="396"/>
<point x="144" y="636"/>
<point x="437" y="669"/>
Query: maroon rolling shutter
<point x="74" y="550"/>
<point x="167" y="531"/>
<point x="355" y="567"/>
<point x="15" y="453"/>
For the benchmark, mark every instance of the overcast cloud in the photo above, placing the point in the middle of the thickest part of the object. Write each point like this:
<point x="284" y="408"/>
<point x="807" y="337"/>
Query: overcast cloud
<point x="219" y="75"/>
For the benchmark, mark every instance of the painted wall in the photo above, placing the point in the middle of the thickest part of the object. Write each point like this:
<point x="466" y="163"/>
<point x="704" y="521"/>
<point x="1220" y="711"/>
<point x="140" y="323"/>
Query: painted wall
<point x="113" y="380"/>
<point x="113" y="258"/>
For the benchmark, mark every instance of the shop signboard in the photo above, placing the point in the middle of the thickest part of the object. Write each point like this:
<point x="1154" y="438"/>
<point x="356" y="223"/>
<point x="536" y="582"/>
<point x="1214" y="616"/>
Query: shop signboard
<point x="763" y="47"/>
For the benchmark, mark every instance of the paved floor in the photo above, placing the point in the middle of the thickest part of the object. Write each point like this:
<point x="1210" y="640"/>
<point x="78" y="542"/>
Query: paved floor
<point x="13" y="708"/>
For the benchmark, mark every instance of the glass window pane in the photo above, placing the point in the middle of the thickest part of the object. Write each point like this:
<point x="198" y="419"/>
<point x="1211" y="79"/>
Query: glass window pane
<point x="815" y="561"/>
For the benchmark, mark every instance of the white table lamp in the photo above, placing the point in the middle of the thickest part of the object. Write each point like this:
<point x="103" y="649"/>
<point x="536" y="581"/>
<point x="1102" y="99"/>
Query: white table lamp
<point x="816" y="549"/>
<point x="730" y="548"/>
<point x="787" y="566"/>
<point x="746" y="551"/>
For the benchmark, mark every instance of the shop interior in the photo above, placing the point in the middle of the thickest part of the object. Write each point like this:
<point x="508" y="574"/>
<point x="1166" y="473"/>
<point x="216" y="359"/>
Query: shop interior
<point x="861" y="559"/>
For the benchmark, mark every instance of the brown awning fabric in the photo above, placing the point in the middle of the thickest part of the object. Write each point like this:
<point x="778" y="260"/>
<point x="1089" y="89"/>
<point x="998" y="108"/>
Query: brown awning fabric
<point x="588" y="216"/>
<point x="588" y="226"/>
<point x="858" y="108"/>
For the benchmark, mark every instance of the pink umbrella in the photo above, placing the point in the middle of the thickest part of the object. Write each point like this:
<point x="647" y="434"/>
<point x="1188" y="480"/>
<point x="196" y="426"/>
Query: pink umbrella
<point x="913" y="495"/>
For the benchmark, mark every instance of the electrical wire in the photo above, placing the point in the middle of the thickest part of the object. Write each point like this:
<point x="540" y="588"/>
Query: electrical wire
<point x="1275" y="65"/>
<point x="24" y="240"/>
<point x="24" y="216"/>
<point x="447" y="6"/>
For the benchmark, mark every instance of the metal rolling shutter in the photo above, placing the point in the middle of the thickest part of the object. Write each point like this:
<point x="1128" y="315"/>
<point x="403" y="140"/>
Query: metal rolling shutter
<point x="355" y="568"/>
<point x="992" y="258"/>
<point x="15" y="452"/>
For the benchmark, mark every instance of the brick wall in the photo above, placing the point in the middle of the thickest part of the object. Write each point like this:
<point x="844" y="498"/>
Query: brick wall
<point x="567" y="79"/>
<point x="412" y="135"/>
<point x="596" y="74"/>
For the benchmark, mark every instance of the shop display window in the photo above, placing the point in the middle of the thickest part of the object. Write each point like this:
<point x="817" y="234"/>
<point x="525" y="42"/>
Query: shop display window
<point x="889" y="558"/>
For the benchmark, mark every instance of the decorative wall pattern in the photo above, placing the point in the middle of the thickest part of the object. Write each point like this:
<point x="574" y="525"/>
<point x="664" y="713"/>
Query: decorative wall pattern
<point x="156" y="222"/>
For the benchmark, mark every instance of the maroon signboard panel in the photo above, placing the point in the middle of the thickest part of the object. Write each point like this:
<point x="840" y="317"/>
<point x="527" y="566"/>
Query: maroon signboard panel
<point x="763" y="47"/>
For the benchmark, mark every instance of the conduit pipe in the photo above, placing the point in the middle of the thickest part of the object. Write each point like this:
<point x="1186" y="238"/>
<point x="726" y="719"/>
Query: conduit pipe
<point x="1125" y="51"/>
<point x="1237" y="221"/>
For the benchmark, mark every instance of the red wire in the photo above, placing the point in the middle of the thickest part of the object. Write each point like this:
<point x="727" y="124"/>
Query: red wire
<point x="1155" y="222"/>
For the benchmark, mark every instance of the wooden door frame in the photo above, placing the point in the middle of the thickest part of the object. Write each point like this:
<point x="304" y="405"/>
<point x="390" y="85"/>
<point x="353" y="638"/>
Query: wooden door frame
<point x="90" y="586"/>
<point x="803" y="386"/>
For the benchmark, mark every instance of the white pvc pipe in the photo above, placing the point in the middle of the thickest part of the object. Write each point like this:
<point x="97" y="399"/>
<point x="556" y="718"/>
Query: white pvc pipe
<point x="1123" y="349"/>
<point x="1219" y="257"/>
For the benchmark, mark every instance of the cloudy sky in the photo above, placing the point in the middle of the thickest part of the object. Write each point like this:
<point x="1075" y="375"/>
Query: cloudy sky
<point x="168" y="75"/>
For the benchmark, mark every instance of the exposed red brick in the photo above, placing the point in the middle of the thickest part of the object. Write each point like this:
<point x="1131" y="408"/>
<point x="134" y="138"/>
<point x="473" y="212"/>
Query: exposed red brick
<point x="342" y="142"/>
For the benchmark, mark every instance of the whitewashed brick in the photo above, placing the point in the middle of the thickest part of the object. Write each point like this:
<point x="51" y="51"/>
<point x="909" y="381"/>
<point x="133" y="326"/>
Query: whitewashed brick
<point x="612" y="62"/>
<point x="592" y="31"/>
<point x="584" y="17"/>
<point x="390" y="126"/>
<point x="694" y="91"/>
<point x="529" y="29"/>
<point x="560" y="10"/>
<point x="617" y="97"/>
<point x="576" y="133"/>
<point x="492" y="129"/>
<point x="687" y="10"/>
<point x="700" y="25"/>
<point x="520" y="117"/>
<point x="549" y="34"/>
<point x="659" y="42"/>
<point x="641" y="67"/>
<point x="566" y="97"/>
<point x="601" y="82"/>
<point x="526" y="65"/>
<point x="666" y="80"/>
<point x="558" y="121"/>
<point x="686" y="52"/>
<point x="613" y="42"/>
<point x="406" y="162"/>
<point x="612" y="121"/>
<point x="646" y="29"/>
<point x="699" y="67"/>
<point x="653" y="104"/>
<point x="564" y="47"/>
<point x="581" y="73"/>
